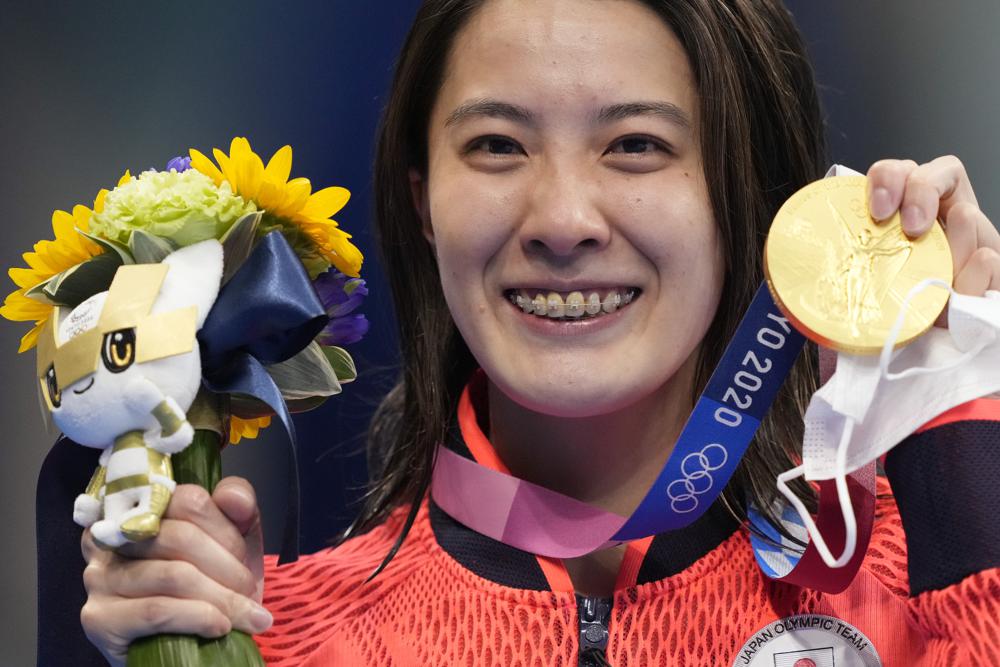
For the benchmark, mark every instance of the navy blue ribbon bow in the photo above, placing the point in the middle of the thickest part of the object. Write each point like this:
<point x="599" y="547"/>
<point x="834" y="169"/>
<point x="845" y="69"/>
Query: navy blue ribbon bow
<point x="266" y="314"/>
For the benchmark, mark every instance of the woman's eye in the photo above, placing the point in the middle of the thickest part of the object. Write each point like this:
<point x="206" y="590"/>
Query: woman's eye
<point x="495" y="146"/>
<point x="118" y="350"/>
<point x="637" y="146"/>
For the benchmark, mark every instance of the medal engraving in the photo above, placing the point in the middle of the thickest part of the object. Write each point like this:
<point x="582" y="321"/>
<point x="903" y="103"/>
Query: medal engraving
<point x="841" y="278"/>
<point x="849" y="288"/>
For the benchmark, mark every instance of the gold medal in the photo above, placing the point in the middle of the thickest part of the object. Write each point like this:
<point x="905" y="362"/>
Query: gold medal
<point x="841" y="278"/>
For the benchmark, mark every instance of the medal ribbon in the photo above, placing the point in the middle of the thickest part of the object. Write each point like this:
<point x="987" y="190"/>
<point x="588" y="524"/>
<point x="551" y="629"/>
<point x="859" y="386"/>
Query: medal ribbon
<point x="714" y="439"/>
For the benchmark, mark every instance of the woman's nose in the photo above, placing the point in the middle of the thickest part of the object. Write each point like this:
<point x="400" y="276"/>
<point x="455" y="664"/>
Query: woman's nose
<point x="562" y="218"/>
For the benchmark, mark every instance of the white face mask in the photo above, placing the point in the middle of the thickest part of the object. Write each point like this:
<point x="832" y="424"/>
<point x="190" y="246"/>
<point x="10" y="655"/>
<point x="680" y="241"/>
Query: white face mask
<point x="869" y="406"/>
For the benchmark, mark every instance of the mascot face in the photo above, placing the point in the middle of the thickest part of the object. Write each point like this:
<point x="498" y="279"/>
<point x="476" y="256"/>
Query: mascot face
<point x="144" y="326"/>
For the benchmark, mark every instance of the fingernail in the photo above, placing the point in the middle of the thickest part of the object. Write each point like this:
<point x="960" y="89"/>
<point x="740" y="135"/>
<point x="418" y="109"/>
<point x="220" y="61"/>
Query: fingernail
<point x="881" y="204"/>
<point x="242" y="494"/>
<point x="260" y="619"/>
<point x="913" y="217"/>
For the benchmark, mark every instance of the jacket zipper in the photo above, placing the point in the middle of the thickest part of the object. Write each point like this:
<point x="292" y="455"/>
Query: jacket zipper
<point x="594" y="614"/>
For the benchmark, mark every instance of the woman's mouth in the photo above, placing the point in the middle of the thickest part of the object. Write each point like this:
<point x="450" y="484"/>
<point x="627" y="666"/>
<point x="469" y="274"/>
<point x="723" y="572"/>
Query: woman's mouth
<point x="575" y="305"/>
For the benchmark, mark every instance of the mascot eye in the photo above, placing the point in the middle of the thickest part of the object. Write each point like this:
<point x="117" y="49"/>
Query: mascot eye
<point x="118" y="350"/>
<point x="51" y="387"/>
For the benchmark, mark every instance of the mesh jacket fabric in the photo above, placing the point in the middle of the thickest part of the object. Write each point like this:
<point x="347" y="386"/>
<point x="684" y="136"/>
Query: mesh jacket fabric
<point x="424" y="609"/>
<point x="427" y="609"/>
<point x="454" y="597"/>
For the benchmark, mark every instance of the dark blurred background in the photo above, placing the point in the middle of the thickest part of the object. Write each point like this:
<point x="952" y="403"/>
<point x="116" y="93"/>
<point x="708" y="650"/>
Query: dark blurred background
<point x="87" y="90"/>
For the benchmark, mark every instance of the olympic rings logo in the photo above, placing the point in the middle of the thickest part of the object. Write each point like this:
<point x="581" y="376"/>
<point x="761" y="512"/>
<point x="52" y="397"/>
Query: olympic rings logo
<point x="696" y="468"/>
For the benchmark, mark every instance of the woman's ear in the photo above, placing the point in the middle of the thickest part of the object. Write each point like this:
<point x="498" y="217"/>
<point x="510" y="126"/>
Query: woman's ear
<point x="418" y="192"/>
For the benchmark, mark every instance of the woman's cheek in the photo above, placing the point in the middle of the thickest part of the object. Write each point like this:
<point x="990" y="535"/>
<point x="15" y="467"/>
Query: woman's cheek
<point x="471" y="221"/>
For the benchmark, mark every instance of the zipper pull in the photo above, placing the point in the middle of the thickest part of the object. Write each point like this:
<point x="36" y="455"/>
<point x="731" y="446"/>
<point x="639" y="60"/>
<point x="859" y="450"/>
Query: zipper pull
<point x="595" y="615"/>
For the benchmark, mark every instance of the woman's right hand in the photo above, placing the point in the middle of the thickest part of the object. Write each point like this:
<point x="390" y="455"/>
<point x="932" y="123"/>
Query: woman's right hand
<point x="202" y="575"/>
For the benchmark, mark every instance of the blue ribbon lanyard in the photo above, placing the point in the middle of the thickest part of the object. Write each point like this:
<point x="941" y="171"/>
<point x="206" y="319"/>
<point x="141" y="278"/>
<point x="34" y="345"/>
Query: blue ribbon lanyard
<point x="723" y="422"/>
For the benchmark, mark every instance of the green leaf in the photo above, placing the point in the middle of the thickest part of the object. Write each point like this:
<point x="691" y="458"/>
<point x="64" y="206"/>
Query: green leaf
<point x="148" y="249"/>
<point x="248" y="407"/>
<point x="237" y="243"/>
<point x="343" y="364"/>
<point x="73" y="286"/>
<point x="115" y="247"/>
<point x="305" y="375"/>
<point x="38" y="292"/>
<point x="305" y="404"/>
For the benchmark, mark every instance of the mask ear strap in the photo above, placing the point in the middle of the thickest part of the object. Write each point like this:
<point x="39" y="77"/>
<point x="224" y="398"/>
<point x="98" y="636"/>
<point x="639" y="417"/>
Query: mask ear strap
<point x="840" y="469"/>
<point x="886" y="356"/>
<point x="844" y="496"/>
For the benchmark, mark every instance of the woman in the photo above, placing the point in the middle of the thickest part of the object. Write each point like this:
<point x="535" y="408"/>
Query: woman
<point x="533" y="154"/>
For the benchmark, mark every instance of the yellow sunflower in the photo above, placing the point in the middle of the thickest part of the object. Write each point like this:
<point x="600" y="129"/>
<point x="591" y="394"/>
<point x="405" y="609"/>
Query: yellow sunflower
<point x="293" y="200"/>
<point x="50" y="258"/>
<point x="246" y="428"/>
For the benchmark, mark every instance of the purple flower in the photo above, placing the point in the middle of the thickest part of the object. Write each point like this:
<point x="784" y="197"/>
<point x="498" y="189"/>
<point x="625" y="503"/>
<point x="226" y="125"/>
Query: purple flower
<point x="179" y="164"/>
<point x="340" y="296"/>
<point x="344" y="330"/>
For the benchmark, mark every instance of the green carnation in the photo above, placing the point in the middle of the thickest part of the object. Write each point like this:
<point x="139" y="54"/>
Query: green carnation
<point x="185" y="207"/>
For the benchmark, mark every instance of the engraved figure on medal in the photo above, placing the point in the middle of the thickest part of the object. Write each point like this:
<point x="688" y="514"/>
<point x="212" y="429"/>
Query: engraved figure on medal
<point x="847" y="289"/>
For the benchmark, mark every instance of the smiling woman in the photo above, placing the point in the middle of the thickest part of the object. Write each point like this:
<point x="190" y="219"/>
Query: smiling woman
<point x="597" y="188"/>
<point x="565" y="151"/>
<point x="572" y="198"/>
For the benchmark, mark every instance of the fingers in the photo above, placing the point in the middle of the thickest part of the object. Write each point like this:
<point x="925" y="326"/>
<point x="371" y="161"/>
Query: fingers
<point x="195" y="530"/>
<point x="111" y="625"/>
<point x="192" y="578"/>
<point x="185" y="541"/>
<point x="940" y="189"/>
<point x="238" y="501"/>
<point x="922" y="193"/>
<point x="980" y="273"/>
<point x="90" y="549"/>
<point x="968" y="229"/>
<point x="193" y="504"/>
<point x="886" y="183"/>
<point x="135" y="579"/>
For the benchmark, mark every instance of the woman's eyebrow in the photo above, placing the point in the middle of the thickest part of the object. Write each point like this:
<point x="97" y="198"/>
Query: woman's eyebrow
<point x="492" y="109"/>
<point x="665" y="110"/>
<point x="496" y="109"/>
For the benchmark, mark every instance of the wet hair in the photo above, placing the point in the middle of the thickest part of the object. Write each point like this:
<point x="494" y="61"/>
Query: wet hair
<point x="762" y="138"/>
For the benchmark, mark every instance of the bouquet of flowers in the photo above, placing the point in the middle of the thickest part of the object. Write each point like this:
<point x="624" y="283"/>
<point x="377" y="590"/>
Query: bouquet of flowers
<point x="184" y="310"/>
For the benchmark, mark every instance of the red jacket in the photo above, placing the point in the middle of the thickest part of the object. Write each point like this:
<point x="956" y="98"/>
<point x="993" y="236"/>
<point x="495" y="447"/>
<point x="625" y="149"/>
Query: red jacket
<point x="690" y="597"/>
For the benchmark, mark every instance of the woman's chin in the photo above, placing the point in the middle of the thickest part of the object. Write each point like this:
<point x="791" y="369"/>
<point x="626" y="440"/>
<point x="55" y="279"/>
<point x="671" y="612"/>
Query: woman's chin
<point x="576" y="400"/>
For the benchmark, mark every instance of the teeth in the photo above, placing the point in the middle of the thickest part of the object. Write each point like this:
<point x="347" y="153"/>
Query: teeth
<point x="611" y="302"/>
<point x="574" y="305"/>
<point x="556" y="306"/>
<point x="541" y="305"/>
<point x="593" y="303"/>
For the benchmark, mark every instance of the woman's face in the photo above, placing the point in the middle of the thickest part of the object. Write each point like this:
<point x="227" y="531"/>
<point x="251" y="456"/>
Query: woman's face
<point x="564" y="169"/>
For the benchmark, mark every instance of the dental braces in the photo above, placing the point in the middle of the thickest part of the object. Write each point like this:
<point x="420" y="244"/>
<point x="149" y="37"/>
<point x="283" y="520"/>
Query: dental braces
<point x="572" y="310"/>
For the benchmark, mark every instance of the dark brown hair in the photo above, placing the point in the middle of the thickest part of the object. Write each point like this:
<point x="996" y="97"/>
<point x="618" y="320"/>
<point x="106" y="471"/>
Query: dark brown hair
<point x="761" y="140"/>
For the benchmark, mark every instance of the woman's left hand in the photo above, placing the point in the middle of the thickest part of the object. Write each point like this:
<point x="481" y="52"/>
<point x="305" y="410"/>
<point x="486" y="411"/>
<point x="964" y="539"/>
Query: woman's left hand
<point x="940" y="189"/>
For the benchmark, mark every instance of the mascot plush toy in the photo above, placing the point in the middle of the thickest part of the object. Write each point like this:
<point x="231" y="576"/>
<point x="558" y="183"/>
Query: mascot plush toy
<point x="119" y="373"/>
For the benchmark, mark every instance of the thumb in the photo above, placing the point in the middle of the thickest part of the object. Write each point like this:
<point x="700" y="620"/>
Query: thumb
<point x="237" y="499"/>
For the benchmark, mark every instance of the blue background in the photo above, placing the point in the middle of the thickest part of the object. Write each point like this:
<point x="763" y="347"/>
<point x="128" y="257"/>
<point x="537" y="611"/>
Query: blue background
<point x="88" y="90"/>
